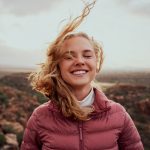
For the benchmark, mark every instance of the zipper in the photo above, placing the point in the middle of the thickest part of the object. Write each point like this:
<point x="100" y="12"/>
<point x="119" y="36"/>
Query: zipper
<point x="81" y="135"/>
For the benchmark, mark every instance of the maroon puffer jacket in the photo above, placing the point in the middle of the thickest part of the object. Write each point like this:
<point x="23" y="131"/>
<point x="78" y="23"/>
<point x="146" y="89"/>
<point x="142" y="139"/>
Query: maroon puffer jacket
<point x="110" y="128"/>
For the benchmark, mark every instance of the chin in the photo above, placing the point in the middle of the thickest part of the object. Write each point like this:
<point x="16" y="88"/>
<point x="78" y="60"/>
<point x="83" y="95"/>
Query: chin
<point x="80" y="84"/>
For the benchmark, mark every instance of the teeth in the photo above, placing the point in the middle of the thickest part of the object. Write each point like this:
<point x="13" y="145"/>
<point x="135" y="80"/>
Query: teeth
<point x="79" y="72"/>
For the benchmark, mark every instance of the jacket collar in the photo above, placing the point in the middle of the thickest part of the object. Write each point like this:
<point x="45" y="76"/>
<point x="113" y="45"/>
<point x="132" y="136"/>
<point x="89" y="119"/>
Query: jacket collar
<point x="101" y="103"/>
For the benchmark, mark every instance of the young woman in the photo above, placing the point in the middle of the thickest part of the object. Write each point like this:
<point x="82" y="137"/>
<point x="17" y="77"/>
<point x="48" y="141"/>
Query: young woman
<point x="77" y="116"/>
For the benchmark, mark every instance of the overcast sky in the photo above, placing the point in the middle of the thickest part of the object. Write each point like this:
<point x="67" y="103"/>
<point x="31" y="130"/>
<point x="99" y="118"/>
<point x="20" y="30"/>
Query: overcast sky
<point x="123" y="27"/>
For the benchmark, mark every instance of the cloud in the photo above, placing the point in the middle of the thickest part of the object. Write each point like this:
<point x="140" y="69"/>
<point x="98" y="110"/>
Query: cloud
<point x="141" y="7"/>
<point x="144" y="10"/>
<point x="27" y="7"/>
<point x="18" y="57"/>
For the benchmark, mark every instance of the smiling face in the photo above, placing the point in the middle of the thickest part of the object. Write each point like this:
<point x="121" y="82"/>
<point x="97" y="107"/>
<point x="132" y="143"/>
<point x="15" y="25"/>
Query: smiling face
<point x="78" y="64"/>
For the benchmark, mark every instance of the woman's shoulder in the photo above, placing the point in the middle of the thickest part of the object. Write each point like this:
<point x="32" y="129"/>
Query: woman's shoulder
<point x="46" y="108"/>
<point x="104" y="100"/>
<point x="41" y="109"/>
<point x="117" y="110"/>
<point x="116" y="107"/>
<point x="118" y="114"/>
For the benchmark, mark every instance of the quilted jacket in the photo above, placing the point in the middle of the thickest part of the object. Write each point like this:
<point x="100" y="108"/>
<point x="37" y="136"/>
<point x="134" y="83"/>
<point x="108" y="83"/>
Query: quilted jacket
<point x="109" y="128"/>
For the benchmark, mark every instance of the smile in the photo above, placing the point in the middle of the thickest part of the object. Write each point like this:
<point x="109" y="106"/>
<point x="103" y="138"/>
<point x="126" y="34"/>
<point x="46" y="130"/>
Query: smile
<point x="79" y="72"/>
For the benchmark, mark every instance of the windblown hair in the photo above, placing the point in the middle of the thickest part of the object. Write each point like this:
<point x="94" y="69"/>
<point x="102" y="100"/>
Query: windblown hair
<point x="48" y="79"/>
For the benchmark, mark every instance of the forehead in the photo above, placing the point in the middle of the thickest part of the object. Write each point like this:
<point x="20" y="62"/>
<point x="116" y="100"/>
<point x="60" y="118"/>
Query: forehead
<point x="77" y="44"/>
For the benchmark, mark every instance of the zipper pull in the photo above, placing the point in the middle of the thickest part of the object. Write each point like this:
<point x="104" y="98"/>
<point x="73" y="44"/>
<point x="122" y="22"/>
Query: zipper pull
<point x="80" y="132"/>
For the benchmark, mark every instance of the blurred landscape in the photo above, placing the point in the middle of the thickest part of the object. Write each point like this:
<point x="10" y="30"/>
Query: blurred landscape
<point x="18" y="100"/>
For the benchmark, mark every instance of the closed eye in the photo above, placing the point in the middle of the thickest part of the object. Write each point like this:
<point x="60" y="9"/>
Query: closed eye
<point x="68" y="57"/>
<point x="88" y="56"/>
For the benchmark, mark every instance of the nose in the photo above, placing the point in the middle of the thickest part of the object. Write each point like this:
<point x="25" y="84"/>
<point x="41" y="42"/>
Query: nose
<point x="79" y="61"/>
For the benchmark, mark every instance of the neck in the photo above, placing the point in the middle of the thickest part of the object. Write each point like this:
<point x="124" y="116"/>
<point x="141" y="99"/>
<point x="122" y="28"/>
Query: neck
<point x="81" y="93"/>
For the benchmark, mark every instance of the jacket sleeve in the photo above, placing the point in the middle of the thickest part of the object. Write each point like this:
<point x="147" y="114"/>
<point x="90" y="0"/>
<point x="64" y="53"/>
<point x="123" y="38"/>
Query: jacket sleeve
<point x="31" y="139"/>
<point x="129" y="138"/>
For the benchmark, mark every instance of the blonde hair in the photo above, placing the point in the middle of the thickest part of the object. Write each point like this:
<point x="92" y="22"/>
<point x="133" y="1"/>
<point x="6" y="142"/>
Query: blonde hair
<point x="48" y="79"/>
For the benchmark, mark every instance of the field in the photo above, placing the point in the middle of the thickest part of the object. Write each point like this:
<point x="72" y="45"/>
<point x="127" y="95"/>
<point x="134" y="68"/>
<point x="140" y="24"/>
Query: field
<point x="131" y="89"/>
<point x="126" y="77"/>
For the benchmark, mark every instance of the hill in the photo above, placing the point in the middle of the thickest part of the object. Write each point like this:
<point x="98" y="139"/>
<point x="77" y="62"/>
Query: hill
<point x="18" y="100"/>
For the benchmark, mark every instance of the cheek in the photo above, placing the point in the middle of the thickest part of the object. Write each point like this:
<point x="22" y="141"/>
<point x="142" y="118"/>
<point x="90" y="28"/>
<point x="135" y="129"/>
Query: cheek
<point x="61" y="64"/>
<point x="64" y="68"/>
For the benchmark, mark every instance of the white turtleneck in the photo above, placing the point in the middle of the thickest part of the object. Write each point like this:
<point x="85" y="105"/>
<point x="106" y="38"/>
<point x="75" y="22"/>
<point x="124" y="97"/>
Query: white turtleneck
<point x="88" y="100"/>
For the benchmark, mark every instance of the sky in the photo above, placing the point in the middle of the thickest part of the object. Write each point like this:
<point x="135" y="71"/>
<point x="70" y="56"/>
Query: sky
<point x="121" y="26"/>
